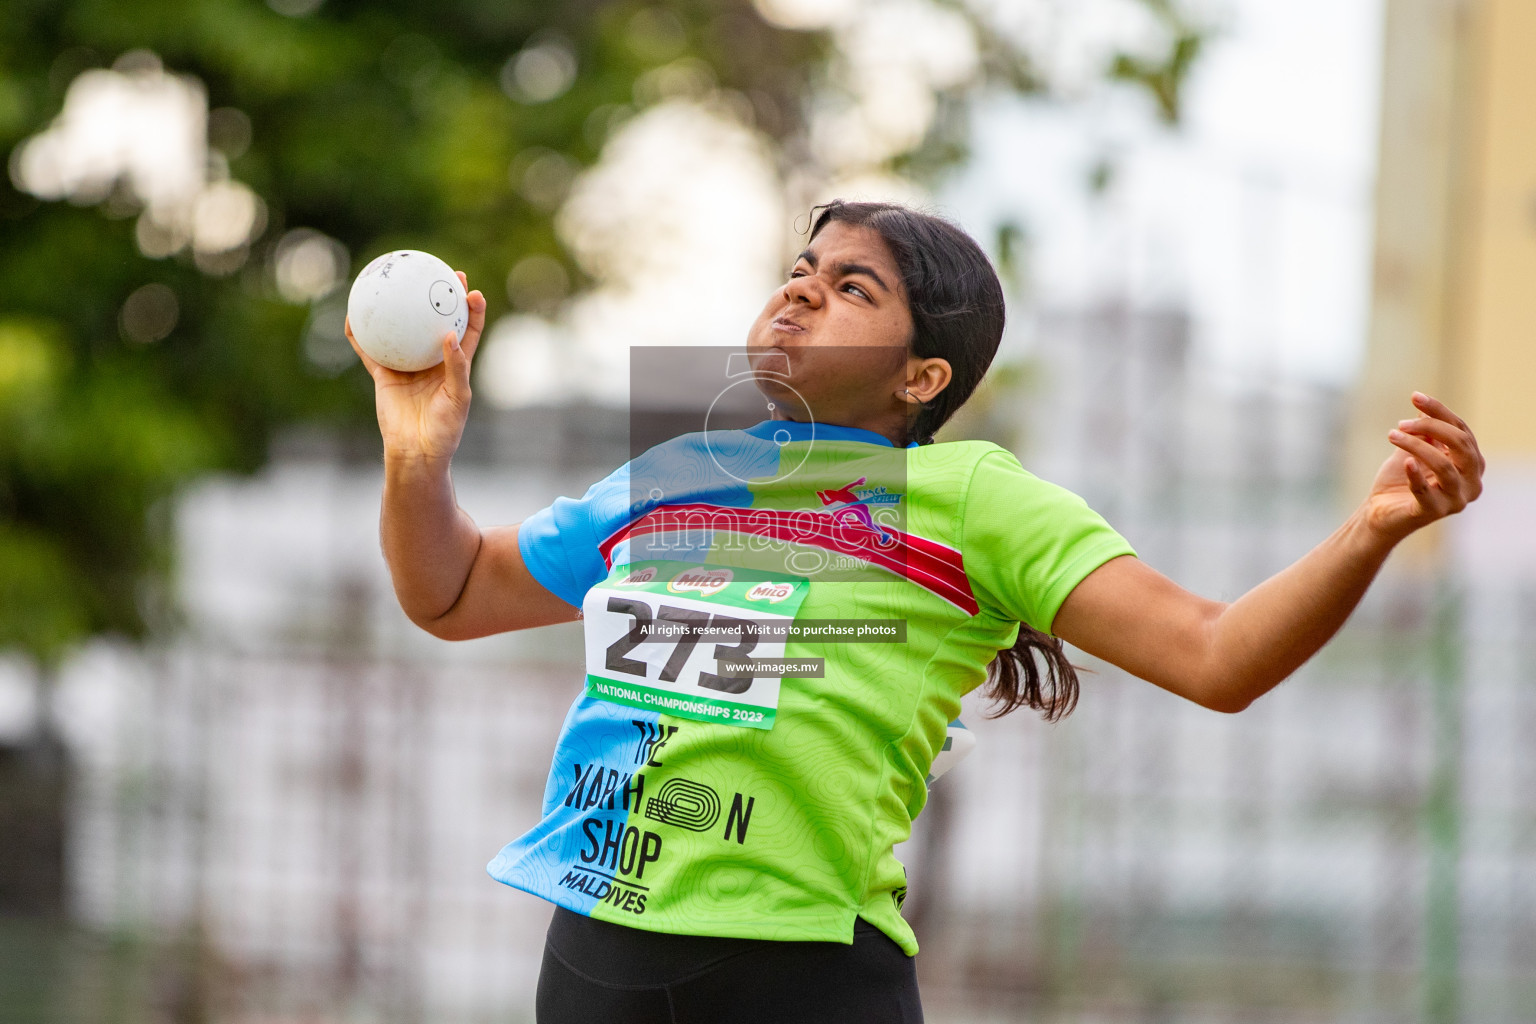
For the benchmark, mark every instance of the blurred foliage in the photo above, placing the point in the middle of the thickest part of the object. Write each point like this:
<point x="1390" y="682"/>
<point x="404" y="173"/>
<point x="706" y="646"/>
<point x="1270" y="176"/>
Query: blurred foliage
<point x="1165" y="75"/>
<point x="383" y="124"/>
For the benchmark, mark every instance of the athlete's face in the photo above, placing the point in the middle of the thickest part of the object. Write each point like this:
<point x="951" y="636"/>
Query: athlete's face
<point x="842" y="320"/>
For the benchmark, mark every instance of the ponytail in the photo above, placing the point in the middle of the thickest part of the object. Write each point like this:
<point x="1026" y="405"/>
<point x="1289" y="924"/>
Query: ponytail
<point x="1016" y="677"/>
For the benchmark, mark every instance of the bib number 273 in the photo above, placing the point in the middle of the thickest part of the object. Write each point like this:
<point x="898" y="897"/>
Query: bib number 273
<point x="689" y="641"/>
<point x="683" y="628"/>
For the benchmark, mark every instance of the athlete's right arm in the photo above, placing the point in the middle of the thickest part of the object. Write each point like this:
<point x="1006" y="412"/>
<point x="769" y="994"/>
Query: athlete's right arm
<point x="452" y="579"/>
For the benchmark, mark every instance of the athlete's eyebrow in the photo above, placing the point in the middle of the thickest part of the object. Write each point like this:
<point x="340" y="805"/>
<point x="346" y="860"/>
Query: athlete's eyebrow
<point x="845" y="269"/>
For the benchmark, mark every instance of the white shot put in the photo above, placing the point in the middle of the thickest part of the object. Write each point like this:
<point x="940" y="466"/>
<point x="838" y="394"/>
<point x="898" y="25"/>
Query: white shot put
<point x="402" y="304"/>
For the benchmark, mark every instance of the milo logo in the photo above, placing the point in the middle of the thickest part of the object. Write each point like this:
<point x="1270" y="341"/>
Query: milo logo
<point x="708" y="582"/>
<point x="773" y="593"/>
<point x="638" y="577"/>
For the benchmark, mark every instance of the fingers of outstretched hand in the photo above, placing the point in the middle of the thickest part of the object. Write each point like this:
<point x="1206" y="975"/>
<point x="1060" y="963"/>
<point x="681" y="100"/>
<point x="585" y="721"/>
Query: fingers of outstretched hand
<point x="1439" y="410"/>
<point x="1434" y="478"/>
<point x="1449" y="436"/>
<point x="1451" y="431"/>
<point x="1418" y="483"/>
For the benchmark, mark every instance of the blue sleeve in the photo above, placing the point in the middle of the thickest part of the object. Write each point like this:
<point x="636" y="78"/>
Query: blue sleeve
<point x="560" y="544"/>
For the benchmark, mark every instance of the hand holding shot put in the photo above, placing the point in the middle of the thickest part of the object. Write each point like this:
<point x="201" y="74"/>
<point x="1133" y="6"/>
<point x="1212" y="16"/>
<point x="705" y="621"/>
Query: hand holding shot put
<point x="416" y="335"/>
<point x="430" y="544"/>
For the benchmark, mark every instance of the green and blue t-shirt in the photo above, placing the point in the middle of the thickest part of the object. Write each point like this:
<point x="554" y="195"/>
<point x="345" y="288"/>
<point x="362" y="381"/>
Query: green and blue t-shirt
<point x="781" y="622"/>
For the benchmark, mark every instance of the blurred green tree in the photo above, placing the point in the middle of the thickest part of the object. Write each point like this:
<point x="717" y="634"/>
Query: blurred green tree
<point x="141" y="344"/>
<point x="374" y="125"/>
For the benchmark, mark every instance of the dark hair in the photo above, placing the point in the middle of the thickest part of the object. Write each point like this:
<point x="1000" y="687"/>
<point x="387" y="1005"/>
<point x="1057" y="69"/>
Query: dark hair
<point x="957" y="310"/>
<point x="953" y="293"/>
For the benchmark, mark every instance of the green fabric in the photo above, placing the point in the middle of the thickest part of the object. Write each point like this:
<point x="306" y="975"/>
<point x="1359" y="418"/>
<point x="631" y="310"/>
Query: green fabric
<point x="838" y="780"/>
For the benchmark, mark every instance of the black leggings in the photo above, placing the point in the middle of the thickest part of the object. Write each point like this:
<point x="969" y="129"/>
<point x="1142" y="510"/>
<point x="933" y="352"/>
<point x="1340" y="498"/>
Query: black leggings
<point x="595" y="971"/>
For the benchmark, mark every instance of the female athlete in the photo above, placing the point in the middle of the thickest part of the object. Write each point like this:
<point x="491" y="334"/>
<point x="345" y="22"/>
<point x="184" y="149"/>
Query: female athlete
<point x="781" y="620"/>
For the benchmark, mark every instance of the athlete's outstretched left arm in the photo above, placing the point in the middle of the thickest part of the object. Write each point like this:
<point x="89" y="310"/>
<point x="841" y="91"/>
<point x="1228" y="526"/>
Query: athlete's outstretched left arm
<point x="1224" y="656"/>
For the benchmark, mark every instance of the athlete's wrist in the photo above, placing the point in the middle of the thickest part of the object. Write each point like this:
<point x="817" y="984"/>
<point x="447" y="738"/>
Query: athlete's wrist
<point x="412" y="467"/>
<point x="1373" y="533"/>
<point x="415" y="459"/>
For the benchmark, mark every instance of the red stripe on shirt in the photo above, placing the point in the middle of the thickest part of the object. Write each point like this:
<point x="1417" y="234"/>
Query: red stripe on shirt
<point x="933" y="566"/>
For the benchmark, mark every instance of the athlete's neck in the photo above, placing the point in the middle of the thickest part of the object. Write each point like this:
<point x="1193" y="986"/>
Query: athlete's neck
<point x="894" y="428"/>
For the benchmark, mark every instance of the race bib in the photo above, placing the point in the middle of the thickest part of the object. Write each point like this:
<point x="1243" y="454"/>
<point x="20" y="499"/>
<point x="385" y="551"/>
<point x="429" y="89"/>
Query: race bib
<point x="693" y="640"/>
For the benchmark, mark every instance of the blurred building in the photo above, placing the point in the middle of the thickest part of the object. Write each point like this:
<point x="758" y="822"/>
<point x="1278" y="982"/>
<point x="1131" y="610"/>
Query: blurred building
<point x="1453" y="306"/>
